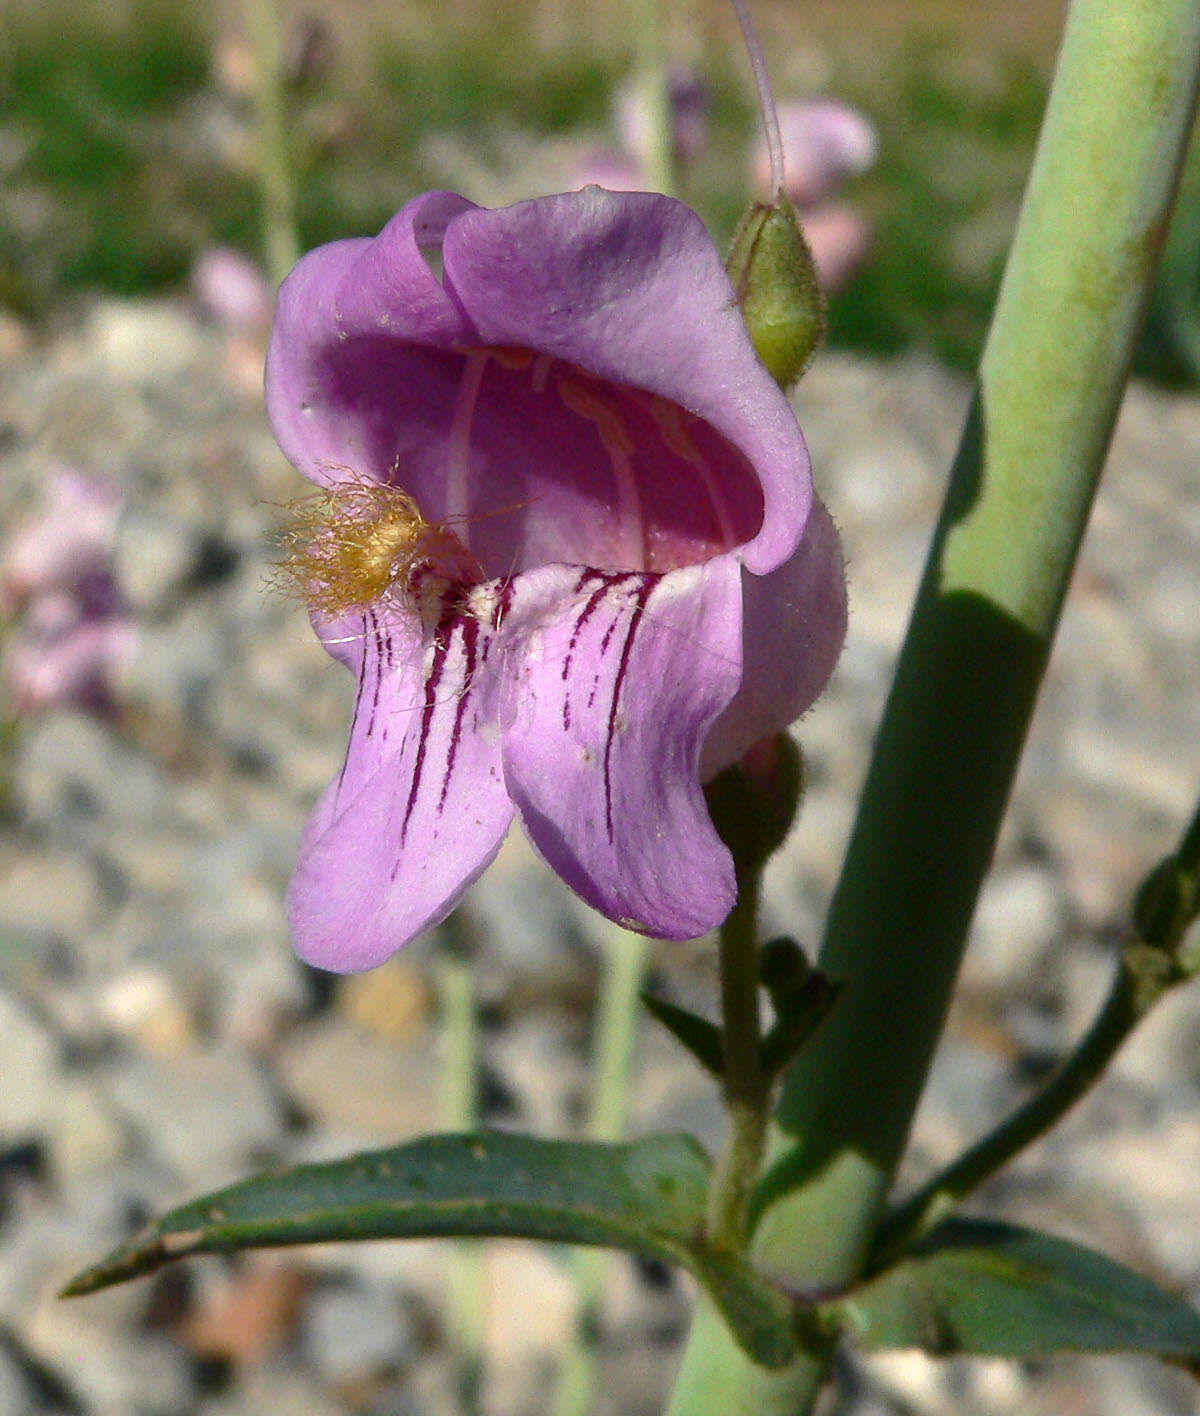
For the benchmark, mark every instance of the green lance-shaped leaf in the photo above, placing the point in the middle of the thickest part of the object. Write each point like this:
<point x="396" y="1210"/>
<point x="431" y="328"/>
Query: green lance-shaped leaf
<point x="802" y="998"/>
<point x="998" y="1290"/>
<point x="702" y="1038"/>
<point x="647" y="1197"/>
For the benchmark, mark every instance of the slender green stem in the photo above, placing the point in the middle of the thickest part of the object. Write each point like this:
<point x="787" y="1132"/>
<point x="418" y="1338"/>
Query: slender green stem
<point x="275" y="179"/>
<point x="616" y="1032"/>
<point x="1066" y="323"/>
<point x="9" y="729"/>
<point x="460" y="1044"/>
<point x="616" y="1026"/>
<point x="746" y="1090"/>
<point x="465" y="1299"/>
<point x="766" y="95"/>
<point x="659" y="157"/>
<point x="1151" y="964"/>
<point x="1143" y="976"/>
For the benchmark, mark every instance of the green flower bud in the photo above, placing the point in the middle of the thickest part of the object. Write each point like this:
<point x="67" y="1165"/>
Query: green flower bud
<point x="1166" y="904"/>
<point x="773" y="275"/>
<point x="754" y="802"/>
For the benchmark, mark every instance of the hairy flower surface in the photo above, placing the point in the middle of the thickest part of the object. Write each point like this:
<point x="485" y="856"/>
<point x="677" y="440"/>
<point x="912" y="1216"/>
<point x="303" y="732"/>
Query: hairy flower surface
<point x="568" y="546"/>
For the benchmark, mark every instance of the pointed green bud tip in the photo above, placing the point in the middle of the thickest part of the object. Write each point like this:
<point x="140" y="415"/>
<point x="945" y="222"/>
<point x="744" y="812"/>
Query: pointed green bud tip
<point x="754" y="802"/>
<point x="784" y="967"/>
<point x="775" y="281"/>
<point x="1166" y="904"/>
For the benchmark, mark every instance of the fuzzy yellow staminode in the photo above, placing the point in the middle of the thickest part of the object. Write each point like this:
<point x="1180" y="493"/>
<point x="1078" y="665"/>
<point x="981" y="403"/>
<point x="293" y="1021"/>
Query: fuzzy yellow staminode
<point x="359" y="541"/>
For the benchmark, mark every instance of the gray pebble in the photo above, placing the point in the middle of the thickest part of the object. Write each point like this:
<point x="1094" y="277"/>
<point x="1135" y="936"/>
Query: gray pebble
<point x="202" y="1111"/>
<point x="154" y="557"/>
<point x="352" y="1332"/>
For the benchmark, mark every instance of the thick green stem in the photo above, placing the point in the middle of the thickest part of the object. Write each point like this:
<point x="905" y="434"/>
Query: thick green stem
<point x="746" y="1090"/>
<point x="1066" y="323"/>
<point x="616" y="1026"/>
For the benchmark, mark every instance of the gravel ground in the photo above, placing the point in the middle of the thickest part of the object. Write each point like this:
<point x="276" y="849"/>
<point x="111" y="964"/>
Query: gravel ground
<point x="158" y="1037"/>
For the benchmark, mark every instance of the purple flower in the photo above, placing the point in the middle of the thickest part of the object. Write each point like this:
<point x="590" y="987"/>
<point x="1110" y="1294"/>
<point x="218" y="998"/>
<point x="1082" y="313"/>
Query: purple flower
<point x="232" y="290"/>
<point x="839" y="239"/>
<point x="688" y="103"/>
<point x="72" y="636"/>
<point x="63" y="657"/>
<point x="824" y="143"/>
<point x="618" y="581"/>
<point x="67" y="545"/>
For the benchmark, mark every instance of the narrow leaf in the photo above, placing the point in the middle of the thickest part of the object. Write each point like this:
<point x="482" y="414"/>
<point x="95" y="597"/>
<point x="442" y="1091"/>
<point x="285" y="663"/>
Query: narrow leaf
<point x="994" y="1289"/>
<point x="701" y="1038"/>
<point x="647" y="1197"/>
<point x="805" y="1011"/>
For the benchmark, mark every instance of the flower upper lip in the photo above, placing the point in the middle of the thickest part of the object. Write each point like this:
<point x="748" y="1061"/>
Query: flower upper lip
<point x="632" y="333"/>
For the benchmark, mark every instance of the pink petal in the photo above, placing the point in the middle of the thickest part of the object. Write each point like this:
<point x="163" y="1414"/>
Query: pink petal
<point x="232" y="290"/>
<point x="839" y="238"/>
<point x="824" y="143"/>
<point x="419" y="809"/>
<point x="630" y="287"/>
<point x="345" y="314"/>
<point x="611" y="682"/>
<point x="68" y="541"/>
<point x="794" y="622"/>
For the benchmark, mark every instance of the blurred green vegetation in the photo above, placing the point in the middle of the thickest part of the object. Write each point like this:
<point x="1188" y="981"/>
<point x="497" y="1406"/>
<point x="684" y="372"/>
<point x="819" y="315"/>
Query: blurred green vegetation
<point x="95" y="188"/>
<point x="125" y="152"/>
<point x="956" y="144"/>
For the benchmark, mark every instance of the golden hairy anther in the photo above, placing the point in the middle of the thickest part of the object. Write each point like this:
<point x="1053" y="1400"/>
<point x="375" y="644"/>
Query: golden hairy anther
<point x="357" y="541"/>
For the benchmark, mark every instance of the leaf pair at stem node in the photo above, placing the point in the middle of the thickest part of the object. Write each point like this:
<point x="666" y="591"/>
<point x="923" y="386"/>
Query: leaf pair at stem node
<point x="801" y="996"/>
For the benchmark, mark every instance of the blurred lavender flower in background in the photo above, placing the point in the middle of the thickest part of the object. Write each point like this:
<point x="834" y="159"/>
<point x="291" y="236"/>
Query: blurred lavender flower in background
<point x="232" y="291"/>
<point x="237" y="297"/>
<point x="825" y="143"/>
<point x="626" y="166"/>
<point x="606" y="167"/>
<point x="688" y="103"/>
<point x="72" y="634"/>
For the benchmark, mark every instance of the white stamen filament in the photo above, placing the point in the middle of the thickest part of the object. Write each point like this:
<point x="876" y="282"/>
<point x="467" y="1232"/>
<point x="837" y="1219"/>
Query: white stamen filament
<point x="629" y="505"/>
<point x="458" y="447"/>
<point x="614" y="435"/>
